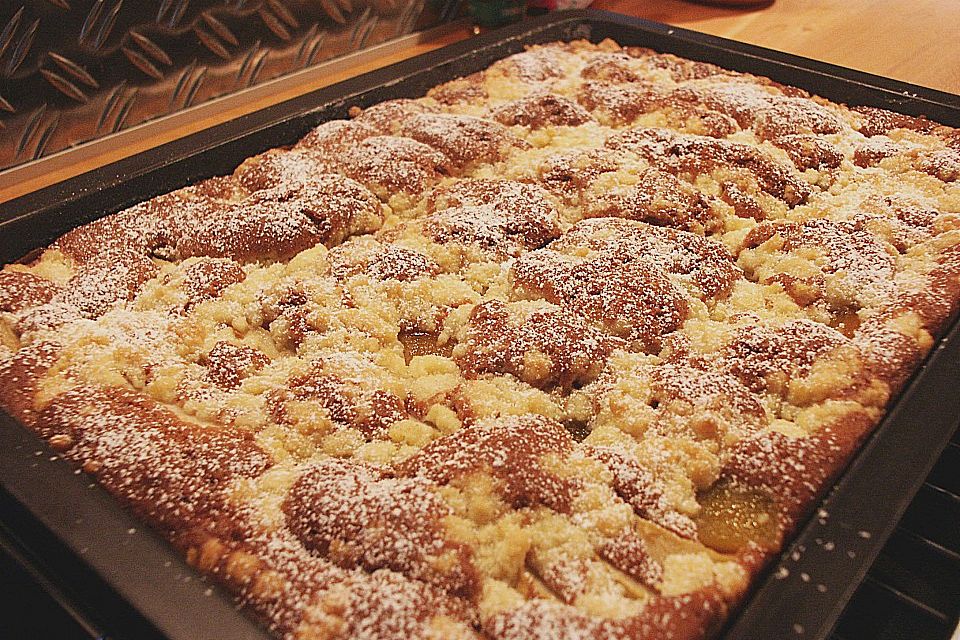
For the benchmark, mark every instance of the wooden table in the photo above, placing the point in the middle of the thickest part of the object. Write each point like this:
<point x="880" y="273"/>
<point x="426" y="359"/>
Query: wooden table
<point x="916" y="41"/>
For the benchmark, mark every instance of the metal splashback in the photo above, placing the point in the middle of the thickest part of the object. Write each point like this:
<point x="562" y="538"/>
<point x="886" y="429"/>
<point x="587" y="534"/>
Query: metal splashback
<point x="77" y="70"/>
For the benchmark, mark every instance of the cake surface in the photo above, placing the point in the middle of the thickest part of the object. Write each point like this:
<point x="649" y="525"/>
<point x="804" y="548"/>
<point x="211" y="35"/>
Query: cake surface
<point x="566" y="348"/>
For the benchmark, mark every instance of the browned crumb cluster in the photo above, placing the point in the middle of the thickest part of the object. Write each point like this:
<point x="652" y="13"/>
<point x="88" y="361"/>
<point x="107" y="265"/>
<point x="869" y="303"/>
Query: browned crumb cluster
<point x="563" y="349"/>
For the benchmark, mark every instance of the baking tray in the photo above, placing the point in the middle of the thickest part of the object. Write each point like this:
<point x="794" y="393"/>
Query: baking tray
<point x="118" y="575"/>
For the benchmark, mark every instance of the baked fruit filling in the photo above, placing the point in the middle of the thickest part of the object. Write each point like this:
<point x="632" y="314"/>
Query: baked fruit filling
<point x="566" y="348"/>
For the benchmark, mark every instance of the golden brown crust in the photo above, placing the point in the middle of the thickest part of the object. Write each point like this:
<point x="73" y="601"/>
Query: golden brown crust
<point x="333" y="136"/>
<point x="660" y="618"/>
<point x="691" y="155"/>
<point x="633" y="299"/>
<point x="619" y="104"/>
<point x="541" y="110"/>
<point x="637" y="487"/>
<point x="207" y="278"/>
<point x="810" y="151"/>
<point x="168" y="471"/>
<point x="347" y="402"/>
<point x="465" y="140"/>
<point x="361" y="517"/>
<point x="388" y="164"/>
<point x="569" y="174"/>
<point x="678" y="68"/>
<point x="21" y="290"/>
<point x="545" y="347"/>
<point x="227" y="364"/>
<point x="380" y="261"/>
<point x="564" y="349"/>
<point x="793" y="471"/>
<point x="857" y="268"/>
<point x="658" y="198"/>
<point x="460" y="90"/>
<point x="20" y="377"/>
<point x="875" y="122"/>
<point x="702" y="266"/>
<point x="511" y="450"/>
<point x="506" y="218"/>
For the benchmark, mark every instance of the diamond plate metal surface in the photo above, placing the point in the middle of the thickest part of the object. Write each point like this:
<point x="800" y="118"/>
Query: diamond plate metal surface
<point x="75" y="70"/>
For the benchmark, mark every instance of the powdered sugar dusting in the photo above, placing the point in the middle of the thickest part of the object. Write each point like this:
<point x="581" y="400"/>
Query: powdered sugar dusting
<point x="357" y="516"/>
<point x="499" y="361"/>
<point x="510" y="449"/>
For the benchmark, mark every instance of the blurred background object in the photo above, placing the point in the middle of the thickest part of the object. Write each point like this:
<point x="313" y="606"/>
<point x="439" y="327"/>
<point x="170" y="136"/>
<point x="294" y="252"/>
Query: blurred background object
<point x="559" y="5"/>
<point x="495" y="13"/>
<point x="742" y="4"/>
<point x="74" y="70"/>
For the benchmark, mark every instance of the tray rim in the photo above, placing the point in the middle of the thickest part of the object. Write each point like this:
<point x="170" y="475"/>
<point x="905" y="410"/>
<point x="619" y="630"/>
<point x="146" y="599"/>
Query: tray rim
<point x="51" y="201"/>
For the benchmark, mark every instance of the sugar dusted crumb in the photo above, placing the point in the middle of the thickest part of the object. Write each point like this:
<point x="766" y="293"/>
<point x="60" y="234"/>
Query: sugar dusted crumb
<point x="561" y="350"/>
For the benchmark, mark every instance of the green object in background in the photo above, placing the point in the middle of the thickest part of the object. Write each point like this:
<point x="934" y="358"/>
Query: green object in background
<point x="494" y="13"/>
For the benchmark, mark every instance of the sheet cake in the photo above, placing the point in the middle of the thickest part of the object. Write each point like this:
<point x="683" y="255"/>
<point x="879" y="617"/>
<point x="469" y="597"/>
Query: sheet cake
<point x="566" y="348"/>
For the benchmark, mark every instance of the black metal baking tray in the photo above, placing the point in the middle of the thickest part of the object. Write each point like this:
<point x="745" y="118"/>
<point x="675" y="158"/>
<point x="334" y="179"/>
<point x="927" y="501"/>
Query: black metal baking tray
<point x="113" y="570"/>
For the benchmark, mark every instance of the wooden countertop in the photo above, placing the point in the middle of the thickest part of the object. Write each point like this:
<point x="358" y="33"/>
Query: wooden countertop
<point x="912" y="41"/>
<point x="916" y="41"/>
